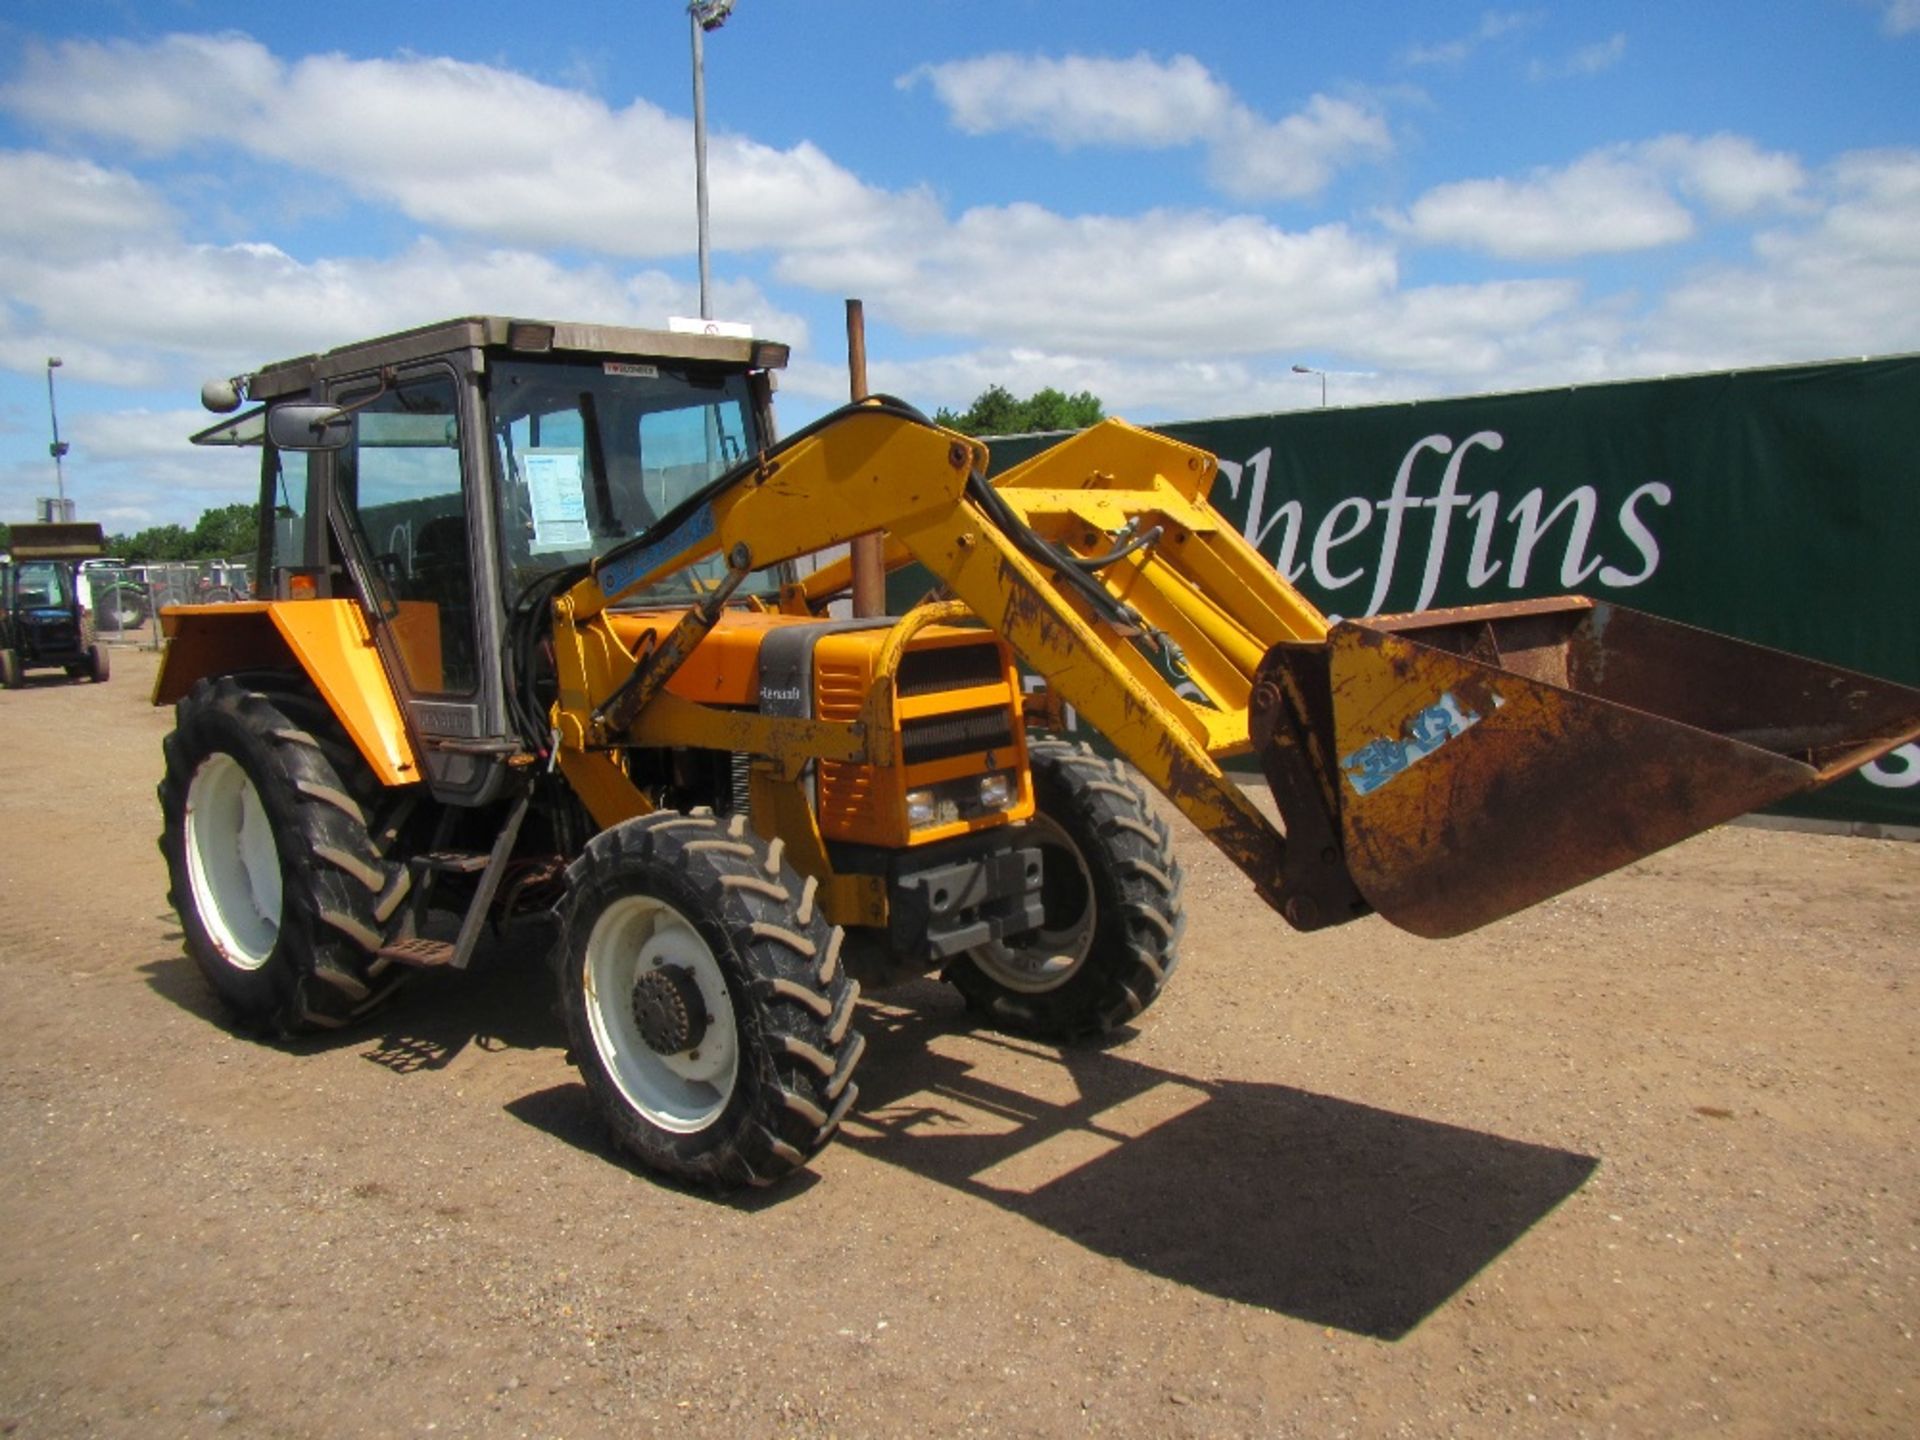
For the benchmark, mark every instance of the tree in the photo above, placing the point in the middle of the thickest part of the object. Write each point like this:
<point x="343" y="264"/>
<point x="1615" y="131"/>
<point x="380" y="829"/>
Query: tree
<point x="226" y="533"/>
<point x="995" y="411"/>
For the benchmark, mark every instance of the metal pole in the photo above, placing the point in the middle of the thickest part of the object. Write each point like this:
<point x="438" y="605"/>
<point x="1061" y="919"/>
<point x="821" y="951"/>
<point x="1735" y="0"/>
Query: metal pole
<point x="1309" y="370"/>
<point x="868" y="552"/>
<point x="56" y="449"/>
<point x="700" y="158"/>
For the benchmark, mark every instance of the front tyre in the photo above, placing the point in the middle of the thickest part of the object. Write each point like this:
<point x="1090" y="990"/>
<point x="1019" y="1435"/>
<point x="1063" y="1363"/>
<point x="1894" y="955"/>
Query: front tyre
<point x="705" y="1001"/>
<point x="1111" y="890"/>
<point x="282" y="894"/>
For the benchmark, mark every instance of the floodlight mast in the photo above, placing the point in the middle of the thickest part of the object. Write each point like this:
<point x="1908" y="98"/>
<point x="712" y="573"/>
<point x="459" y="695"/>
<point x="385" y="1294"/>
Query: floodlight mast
<point x="58" y="449"/>
<point x="706" y="15"/>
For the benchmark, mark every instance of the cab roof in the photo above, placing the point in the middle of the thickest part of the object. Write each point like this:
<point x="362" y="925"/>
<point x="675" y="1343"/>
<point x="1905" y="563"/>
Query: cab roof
<point x="503" y="335"/>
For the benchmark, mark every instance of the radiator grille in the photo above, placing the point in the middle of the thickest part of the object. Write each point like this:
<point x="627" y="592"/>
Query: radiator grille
<point x="949" y="667"/>
<point x="940" y="737"/>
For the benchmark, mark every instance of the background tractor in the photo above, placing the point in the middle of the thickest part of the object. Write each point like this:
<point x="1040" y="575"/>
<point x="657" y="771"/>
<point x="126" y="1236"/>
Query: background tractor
<point x="529" y="636"/>
<point x="43" y="624"/>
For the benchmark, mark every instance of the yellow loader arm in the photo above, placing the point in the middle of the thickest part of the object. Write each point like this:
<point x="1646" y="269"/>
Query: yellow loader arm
<point x="1444" y="769"/>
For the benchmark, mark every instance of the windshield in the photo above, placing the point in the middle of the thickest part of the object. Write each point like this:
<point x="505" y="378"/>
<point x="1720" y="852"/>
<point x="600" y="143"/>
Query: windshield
<point x="40" y="584"/>
<point x="591" y="453"/>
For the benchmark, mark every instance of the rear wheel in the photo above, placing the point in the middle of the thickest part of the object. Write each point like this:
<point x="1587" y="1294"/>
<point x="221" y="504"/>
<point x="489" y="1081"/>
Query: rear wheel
<point x="281" y="891"/>
<point x="122" y="608"/>
<point x="705" y="1000"/>
<point x="98" y="665"/>
<point x="1111" y="890"/>
<point x="10" y="674"/>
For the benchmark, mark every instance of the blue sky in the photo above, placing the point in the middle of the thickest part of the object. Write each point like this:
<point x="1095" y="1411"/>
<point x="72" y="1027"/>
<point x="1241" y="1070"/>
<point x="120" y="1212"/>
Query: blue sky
<point x="1170" y="205"/>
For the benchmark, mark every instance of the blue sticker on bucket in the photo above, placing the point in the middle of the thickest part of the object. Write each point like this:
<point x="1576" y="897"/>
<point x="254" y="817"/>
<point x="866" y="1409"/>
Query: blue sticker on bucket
<point x="1378" y="761"/>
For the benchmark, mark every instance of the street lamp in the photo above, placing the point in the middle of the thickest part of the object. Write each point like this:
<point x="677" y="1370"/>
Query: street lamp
<point x="706" y="15"/>
<point x="1309" y="370"/>
<point x="58" y="448"/>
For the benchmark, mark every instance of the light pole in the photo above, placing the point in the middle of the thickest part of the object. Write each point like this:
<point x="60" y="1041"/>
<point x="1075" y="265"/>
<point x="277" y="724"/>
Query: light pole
<point x="706" y="15"/>
<point x="1309" y="370"/>
<point x="58" y="448"/>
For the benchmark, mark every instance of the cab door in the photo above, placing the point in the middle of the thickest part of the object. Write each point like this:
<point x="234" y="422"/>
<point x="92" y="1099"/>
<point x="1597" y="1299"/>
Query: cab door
<point x="416" y="533"/>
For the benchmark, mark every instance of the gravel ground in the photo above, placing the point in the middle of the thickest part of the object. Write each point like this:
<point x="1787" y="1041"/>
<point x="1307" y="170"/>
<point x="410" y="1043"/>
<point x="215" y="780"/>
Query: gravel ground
<point x="1639" y="1162"/>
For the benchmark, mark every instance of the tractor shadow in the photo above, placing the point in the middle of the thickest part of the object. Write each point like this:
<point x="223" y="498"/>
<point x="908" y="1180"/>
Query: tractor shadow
<point x="1332" y="1212"/>
<point x="504" y="1001"/>
<point x="1329" y="1211"/>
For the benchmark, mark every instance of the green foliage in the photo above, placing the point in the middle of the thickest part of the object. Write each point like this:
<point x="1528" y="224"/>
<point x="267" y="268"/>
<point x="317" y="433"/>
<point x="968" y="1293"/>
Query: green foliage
<point x="995" y="411"/>
<point x="228" y="533"/>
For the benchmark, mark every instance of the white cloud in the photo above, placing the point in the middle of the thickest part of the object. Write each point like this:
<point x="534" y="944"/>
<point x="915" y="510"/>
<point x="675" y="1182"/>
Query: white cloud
<point x="1588" y="60"/>
<point x="157" y="97"/>
<point x="1161" y="283"/>
<point x="1144" y="103"/>
<point x="1619" y="199"/>
<point x="1846" y="283"/>
<point x="1597" y="205"/>
<point x="53" y="205"/>
<point x="1729" y="174"/>
<point x="1079" y="99"/>
<point x="131" y="317"/>
<point x="1298" y="156"/>
<point x="473" y="148"/>
<point x="1451" y="53"/>
<point x="1900" y="17"/>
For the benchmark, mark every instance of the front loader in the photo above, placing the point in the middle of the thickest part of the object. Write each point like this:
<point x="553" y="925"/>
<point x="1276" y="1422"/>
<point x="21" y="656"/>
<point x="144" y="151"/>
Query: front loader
<point x="532" y="638"/>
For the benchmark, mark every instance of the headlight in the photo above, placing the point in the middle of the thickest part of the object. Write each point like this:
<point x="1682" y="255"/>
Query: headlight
<point x="921" y="809"/>
<point x="996" y="791"/>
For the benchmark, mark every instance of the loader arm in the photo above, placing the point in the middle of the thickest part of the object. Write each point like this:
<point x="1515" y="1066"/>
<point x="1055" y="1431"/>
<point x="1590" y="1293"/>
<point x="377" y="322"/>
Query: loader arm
<point x="1445" y="770"/>
<point x="880" y="466"/>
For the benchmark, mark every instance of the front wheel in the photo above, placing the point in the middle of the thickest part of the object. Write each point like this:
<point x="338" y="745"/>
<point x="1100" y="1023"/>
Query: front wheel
<point x="10" y="673"/>
<point x="1111" y="891"/>
<point x="283" y="895"/>
<point x="705" y="1001"/>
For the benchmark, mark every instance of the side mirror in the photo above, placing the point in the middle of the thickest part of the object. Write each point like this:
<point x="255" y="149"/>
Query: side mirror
<point x="305" y="426"/>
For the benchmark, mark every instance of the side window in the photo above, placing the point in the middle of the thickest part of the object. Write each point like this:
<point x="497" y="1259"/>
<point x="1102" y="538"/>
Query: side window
<point x="400" y="479"/>
<point x="286" y="497"/>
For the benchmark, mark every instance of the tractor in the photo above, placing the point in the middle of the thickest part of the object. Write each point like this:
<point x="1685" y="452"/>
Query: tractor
<point x="550" y="622"/>
<point x="43" y="623"/>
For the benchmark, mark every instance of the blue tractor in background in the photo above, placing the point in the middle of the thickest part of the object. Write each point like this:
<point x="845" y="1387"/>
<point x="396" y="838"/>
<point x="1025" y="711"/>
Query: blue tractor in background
<point x="43" y="624"/>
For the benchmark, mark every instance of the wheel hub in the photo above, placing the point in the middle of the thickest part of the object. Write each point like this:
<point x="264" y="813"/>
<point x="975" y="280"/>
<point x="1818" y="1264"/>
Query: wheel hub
<point x="669" y="1010"/>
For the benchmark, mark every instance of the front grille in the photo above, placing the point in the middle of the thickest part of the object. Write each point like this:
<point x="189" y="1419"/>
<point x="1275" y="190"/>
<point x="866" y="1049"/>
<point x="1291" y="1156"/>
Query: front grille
<point x="940" y="737"/>
<point x="949" y="667"/>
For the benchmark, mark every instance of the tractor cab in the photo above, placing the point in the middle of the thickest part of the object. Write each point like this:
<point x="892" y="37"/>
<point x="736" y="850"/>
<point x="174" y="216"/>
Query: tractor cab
<point x="445" y="477"/>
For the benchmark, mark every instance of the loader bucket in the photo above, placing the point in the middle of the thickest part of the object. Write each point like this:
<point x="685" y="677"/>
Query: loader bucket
<point x="1488" y="758"/>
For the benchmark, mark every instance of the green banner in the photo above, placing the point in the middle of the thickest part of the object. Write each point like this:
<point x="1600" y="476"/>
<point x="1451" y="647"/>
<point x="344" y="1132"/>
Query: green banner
<point x="1780" y="505"/>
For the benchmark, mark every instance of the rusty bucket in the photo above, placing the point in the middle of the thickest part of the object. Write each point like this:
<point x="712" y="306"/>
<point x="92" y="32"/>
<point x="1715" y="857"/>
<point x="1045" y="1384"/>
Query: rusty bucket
<point x="1476" y="761"/>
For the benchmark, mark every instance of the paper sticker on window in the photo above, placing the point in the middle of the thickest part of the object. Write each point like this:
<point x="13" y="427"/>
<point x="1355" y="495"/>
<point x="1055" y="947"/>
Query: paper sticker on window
<point x="557" y="497"/>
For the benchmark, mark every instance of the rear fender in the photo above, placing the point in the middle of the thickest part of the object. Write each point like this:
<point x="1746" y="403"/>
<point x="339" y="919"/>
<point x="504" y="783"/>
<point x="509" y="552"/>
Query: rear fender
<point x="325" y="640"/>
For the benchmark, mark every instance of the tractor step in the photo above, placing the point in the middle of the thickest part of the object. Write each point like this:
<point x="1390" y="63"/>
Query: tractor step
<point x="453" y="862"/>
<point x="419" y="954"/>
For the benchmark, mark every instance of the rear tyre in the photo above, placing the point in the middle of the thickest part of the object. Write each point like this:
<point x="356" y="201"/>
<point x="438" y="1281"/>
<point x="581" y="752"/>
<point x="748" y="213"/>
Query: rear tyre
<point x="1111" y="888"/>
<point x="10" y="669"/>
<point x="98" y="665"/>
<point x="282" y="894"/>
<point x="122" y="608"/>
<point x="705" y="1000"/>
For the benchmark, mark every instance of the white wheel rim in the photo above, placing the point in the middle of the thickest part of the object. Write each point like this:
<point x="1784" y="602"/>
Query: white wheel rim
<point x="1050" y="956"/>
<point x="233" y="866"/>
<point x="683" y="1093"/>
